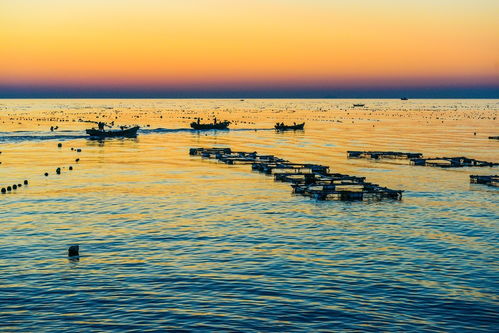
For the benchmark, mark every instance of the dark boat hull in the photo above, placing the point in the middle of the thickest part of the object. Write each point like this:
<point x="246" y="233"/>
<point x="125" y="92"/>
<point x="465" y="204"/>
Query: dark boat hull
<point x="218" y="126"/>
<point x="290" y="127"/>
<point x="126" y="133"/>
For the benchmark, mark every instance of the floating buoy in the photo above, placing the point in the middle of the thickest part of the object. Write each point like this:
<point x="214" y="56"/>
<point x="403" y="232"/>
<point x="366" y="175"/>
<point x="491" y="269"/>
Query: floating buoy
<point x="26" y="182"/>
<point x="77" y="160"/>
<point x="14" y="187"/>
<point x="70" y="168"/>
<point x="19" y="185"/>
<point x="59" y="145"/>
<point x="9" y="188"/>
<point x="78" y="150"/>
<point x="58" y="171"/>
<point x="74" y="251"/>
<point x="46" y="174"/>
<point x="4" y="190"/>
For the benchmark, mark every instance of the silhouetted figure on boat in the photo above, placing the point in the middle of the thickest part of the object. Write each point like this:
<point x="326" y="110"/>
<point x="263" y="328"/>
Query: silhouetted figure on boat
<point x="197" y="125"/>
<point x="124" y="131"/>
<point x="295" y="126"/>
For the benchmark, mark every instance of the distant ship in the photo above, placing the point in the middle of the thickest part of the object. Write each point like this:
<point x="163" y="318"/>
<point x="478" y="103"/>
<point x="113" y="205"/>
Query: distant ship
<point x="404" y="98"/>
<point x="358" y="105"/>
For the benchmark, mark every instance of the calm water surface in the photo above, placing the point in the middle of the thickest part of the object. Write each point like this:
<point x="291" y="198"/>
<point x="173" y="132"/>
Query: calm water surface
<point x="174" y="242"/>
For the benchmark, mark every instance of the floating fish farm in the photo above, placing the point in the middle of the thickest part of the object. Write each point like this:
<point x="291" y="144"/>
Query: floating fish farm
<point x="486" y="180"/>
<point x="452" y="162"/>
<point x="383" y="154"/>
<point x="417" y="159"/>
<point x="310" y="180"/>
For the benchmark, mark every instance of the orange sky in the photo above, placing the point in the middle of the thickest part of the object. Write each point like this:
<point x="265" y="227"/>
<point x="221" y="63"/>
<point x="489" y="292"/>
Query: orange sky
<point x="246" y="42"/>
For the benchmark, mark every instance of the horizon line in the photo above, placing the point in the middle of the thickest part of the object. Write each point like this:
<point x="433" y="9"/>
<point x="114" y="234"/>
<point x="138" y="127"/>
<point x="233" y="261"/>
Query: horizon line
<point x="428" y="92"/>
<point x="241" y="97"/>
<point x="276" y="92"/>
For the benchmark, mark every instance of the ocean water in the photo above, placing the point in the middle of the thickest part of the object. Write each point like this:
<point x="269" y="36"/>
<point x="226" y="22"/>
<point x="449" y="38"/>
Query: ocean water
<point x="174" y="242"/>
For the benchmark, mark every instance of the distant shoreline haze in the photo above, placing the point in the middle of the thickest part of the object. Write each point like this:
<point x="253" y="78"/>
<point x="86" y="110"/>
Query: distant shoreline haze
<point x="486" y="92"/>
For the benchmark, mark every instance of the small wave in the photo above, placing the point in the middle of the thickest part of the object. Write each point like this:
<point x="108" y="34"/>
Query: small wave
<point x="19" y="136"/>
<point x="190" y="130"/>
<point x="164" y="130"/>
<point x="38" y="137"/>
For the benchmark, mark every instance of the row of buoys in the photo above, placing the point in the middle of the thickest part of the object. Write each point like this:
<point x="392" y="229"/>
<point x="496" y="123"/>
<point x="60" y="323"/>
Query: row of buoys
<point x="58" y="170"/>
<point x="13" y="187"/>
<point x="46" y="174"/>
<point x="78" y="150"/>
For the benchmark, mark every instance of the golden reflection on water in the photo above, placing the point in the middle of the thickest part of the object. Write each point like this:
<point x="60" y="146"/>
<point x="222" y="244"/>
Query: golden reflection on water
<point x="146" y="202"/>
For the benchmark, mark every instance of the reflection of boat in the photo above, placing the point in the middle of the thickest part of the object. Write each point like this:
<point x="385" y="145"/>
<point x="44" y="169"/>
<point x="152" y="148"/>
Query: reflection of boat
<point x="358" y="105"/>
<point x="282" y="127"/>
<point x="404" y="99"/>
<point x="127" y="133"/>
<point x="219" y="126"/>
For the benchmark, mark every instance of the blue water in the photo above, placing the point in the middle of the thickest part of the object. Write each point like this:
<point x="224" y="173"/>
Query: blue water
<point x="174" y="242"/>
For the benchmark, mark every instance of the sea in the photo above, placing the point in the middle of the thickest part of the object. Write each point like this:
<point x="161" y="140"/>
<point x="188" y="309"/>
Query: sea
<point x="173" y="242"/>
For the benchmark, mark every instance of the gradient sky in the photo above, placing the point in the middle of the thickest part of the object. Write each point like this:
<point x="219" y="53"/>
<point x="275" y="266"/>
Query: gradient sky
<point x="181" y="46"/>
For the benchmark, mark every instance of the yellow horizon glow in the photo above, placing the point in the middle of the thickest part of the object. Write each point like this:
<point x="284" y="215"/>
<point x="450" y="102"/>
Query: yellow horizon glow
<point x="153" y="42"/>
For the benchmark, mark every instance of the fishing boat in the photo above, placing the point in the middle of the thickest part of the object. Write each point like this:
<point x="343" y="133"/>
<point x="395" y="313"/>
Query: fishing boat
<point x="215" y="125"/>
<point x="282" y="127"/>
<point x="124" y="133"/>
<point x="404" y="99"/>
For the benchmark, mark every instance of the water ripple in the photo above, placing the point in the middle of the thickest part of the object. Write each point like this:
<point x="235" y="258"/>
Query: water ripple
<point x="172" y="242"/>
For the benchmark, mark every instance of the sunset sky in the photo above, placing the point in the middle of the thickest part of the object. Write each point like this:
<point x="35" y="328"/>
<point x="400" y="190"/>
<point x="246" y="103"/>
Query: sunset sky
<point x="291" y="47"/>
